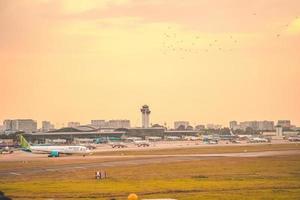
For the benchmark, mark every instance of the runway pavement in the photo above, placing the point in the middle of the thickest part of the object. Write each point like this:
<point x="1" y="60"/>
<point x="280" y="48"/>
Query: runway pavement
<point x="134" y="160"/>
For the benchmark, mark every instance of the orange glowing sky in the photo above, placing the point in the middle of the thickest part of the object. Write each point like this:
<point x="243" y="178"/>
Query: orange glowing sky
<point x="198" y="60"/>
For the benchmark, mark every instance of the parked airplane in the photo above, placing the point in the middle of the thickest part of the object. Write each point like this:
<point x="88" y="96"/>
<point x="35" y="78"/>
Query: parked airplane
<point x="294" y="139"/>
<point x="210" y="142"/>
<point x="53" y="151"/>
<point x="258" y="140"/>
<point x="132" y="139"/>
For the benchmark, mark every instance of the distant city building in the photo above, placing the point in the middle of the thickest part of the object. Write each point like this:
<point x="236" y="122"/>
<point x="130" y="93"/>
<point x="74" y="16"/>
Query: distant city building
<point x="7" y="125"/>
<point x="1" y="128"/>
<point x="47" y="126"/>
<point x="145" y="116"/>
<point x="265" y="125"/>
<point x="26" y="125"/>
<point x="199" y="127"/>
<point x="118" y="123"/>
<point x="249" y="124"/>
<point x="98" y="123"/>
<point x="181" y="124"/>
<point x="284" y="123"/>
<point x="254" y="125"/>
<point x="73" y="124"/>
<point x="233" y="124"/>
<point x="213" y="126"/>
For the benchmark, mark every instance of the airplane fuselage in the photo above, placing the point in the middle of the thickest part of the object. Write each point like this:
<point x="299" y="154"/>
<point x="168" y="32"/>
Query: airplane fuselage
<point x="60" y="149"/>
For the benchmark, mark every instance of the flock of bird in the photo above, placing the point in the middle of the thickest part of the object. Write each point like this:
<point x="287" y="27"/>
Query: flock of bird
<point x="173" y="44"/>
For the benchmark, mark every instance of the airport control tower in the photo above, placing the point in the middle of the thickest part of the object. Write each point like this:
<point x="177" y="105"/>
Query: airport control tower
<point x="145" y="116"/>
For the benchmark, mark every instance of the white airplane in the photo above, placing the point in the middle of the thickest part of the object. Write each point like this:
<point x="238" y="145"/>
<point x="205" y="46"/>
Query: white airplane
<point x="53" y="151"/>
<point x="294" y="139"/>
<point x="211" y="142"/>
<point x="258" y="140"/>
<point x="132" y="139"/>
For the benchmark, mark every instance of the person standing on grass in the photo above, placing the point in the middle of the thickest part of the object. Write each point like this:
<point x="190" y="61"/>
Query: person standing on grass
<point x="97" y="175"/>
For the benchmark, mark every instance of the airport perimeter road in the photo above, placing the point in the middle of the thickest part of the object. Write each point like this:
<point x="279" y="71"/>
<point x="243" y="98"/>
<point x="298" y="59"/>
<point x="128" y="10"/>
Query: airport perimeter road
<point x="134" y="160"/>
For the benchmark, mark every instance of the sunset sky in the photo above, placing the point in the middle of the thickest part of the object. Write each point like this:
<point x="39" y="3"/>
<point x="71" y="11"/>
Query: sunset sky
<point x="198" y="60"/>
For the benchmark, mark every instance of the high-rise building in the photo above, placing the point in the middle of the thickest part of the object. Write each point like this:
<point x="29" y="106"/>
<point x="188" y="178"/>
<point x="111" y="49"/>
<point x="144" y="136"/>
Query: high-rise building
<point x="265" y="125"/>
<point x="258" y="125"/>
<point x="249" y="124"/>
<point x="119" y="123"/>
<point x="145" y="116"/>
<point x="233" y="124"/>
<point x="98" y="123"/>
<point x="181" y="124"/>
<point x="213" y="126"/>
<point x="26" y="125"/>
<point x="47" y="126"/>
<point x="73" y="124"/>
<point x="284" y="123"/>
<point x="1" y="128"/>
<point x="7" y="125"/>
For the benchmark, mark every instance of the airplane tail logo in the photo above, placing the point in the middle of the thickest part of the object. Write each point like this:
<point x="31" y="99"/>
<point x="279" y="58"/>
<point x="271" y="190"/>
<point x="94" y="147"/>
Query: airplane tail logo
<point x="23" y="142"/>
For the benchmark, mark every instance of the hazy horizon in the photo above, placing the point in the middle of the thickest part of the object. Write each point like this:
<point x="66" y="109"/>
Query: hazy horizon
<point x="138" y="121"/>
<point x="201" y="61"/>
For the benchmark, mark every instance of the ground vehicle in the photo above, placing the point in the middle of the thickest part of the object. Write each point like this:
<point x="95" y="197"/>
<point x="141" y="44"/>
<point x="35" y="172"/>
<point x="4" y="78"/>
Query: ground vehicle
<point x="208" y="140"/>
<point x="142" y="143"/>
<point x="6" y="150"/>
<point x="118" y="145"/>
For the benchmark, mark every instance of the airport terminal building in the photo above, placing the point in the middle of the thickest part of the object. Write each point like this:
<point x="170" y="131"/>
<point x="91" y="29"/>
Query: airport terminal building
<point x="71" y="133"/>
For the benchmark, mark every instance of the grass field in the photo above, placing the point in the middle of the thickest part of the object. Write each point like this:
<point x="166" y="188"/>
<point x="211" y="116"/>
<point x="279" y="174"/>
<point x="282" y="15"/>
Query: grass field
<point x="215" y="178"/>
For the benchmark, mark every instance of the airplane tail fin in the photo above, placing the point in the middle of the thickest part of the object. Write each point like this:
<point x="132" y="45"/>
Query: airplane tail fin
<point x="23" y="142"/>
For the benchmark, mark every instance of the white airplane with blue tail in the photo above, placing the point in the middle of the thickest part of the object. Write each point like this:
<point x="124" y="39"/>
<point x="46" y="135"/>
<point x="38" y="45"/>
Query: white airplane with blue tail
<point x="53" y="151"/>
